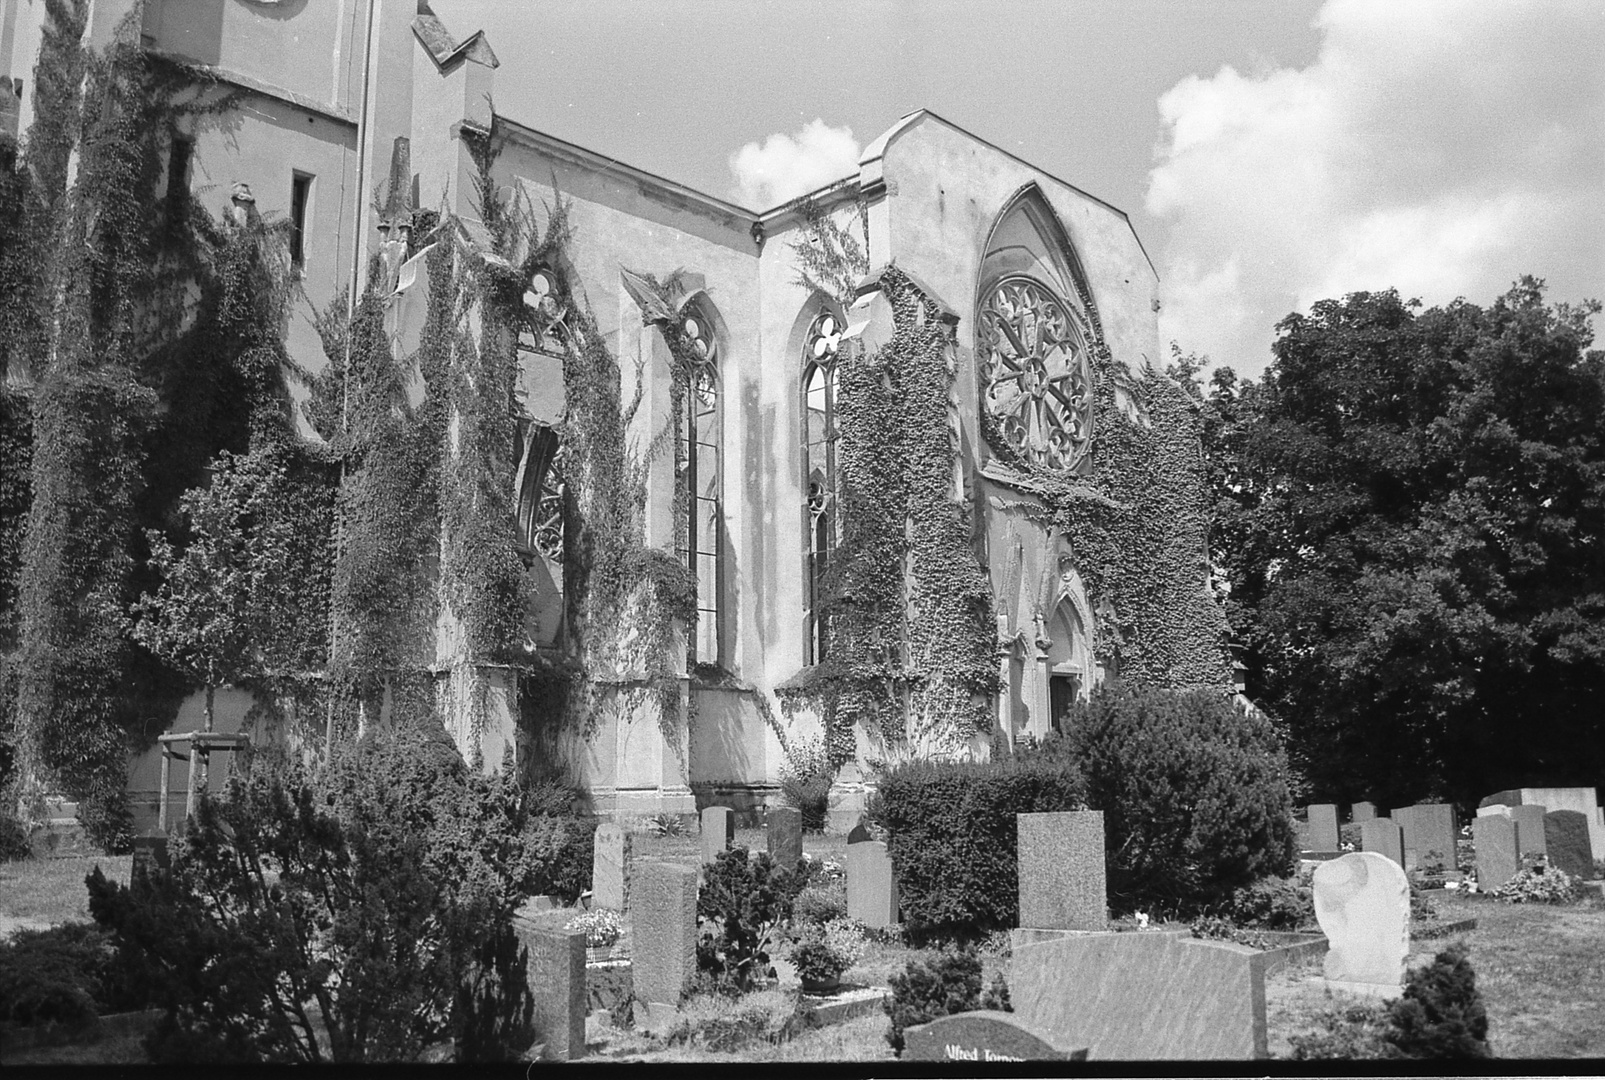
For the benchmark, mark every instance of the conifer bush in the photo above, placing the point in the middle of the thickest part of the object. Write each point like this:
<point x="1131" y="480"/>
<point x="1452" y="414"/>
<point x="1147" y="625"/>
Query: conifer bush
<point x="1194" y="794"/>
<point x="361" y="912"/>
<point x="952" y="836"/>
<point x="1441" y="1013"/>
<point x="741" y="907"/>
<point x="947" y="983"/>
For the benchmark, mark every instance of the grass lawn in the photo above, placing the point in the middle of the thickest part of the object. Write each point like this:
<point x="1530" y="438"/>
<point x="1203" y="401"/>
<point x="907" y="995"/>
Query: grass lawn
<point x="52" y="890"/>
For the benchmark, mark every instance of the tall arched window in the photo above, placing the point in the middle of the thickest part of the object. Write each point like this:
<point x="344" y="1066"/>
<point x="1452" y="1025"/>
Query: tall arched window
<point x="821" y="345"/>
<point x="700" y="477"/>
<point x="1034" y="334"/>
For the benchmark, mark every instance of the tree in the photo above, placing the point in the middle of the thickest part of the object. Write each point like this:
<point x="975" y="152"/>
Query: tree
<point x="1411" y="510"/>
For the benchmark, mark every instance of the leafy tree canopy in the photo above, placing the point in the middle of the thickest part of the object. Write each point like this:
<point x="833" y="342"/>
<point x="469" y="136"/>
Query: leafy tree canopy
<point x="1410" y="511"/>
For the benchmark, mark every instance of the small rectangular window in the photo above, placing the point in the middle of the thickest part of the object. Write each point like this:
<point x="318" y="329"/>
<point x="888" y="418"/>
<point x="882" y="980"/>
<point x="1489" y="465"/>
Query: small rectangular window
<point x="300" y="195"/>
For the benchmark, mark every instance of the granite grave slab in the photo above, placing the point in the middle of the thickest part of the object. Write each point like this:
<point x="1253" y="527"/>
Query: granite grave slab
<point x="981" y="1037"/>
<point x="1061" y="870"/>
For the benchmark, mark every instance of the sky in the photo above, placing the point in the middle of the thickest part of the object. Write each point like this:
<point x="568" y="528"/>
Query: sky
<point x="1270" y="153"/>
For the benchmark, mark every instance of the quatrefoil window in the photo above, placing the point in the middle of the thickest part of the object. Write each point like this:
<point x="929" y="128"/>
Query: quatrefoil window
<point x="1037" y="382"/>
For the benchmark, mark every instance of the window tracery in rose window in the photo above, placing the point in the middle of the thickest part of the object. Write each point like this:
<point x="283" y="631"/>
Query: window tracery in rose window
<point x="1036" y="378"/>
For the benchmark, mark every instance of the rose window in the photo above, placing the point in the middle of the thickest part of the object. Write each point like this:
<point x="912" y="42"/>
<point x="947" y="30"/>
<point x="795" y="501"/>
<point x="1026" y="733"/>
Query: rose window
<point x="1037" y="382"/>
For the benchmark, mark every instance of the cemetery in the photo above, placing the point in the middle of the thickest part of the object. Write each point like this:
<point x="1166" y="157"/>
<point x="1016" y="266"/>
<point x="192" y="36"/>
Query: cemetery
<point x="515" y="607"/>
<point x="723" y="942"/>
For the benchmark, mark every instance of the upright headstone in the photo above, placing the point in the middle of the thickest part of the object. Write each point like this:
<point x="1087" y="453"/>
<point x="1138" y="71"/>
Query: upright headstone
<point x="1362" y="812"/>
<point x="981" y="1036"/>
<point x="1566" y="840"/>
<point x="1439" y="833"/>
<point x="1141" y="997"/>
<point x="1362" y="902"/>
<point x="1493" y="841"/>
<point x="1061" y="871"/>
<point x="1323" y="828"/>
<point x="663" y="945"/>
<point x="785" y="836"/>
<point x="1382" y="836"/>
<point x="1529" y="829"/>
<point x="718" y="831"/>
<point x="1429" y="834"/>
<point x="610" y="867"/>
<point x="556" y="976"/>
<point x="150" y="859"/>
<point x="1404" y="817"/>
<point x="871" y="885"/>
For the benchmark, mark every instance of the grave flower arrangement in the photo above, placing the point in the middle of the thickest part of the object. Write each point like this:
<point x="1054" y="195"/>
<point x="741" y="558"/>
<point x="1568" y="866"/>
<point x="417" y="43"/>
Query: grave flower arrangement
<point x="1538" y="885"/>
<point x="822" y="951"/>
<point x="602" y="927"/>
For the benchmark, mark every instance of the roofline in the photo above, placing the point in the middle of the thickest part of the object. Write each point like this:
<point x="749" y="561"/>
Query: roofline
<point x="866" y="182"/>
<point x="877" y="150"/>
<point x="604" y="164"/>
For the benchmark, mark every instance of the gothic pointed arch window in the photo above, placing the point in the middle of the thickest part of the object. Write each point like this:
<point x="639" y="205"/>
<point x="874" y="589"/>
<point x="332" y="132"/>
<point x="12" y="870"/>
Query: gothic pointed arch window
<point x="1035" y="332"/>
<point x="821" y="347"/>
<point x="699" y="475"/>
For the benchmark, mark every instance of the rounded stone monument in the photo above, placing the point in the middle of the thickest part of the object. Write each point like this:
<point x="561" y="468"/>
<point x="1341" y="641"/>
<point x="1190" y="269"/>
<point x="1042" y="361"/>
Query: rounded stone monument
<point x="1362" y="902"/>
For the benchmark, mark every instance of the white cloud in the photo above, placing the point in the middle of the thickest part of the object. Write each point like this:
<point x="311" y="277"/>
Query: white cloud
<point x="786" y="166"/>
<point x="1441" y="148"/>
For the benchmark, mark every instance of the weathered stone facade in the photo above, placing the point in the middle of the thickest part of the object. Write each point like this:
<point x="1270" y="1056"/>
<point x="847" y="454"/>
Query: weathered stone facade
<point x="1044" y="293"/>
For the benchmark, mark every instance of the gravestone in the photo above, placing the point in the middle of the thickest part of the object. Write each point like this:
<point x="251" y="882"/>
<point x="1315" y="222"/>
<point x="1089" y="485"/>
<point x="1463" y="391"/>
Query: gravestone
<point x="1493" y="840"/>
<point x="1585" y="800"/>
<point x="785" y="836"/>
<point x="1510" y="797"/>
<point x="859" y="833"/>
<point x="1566" y="840"/>
<point x="556" y="977"/>
<point x="150" y="859"/>
<point x="1061" y="870"/>
<point x="663" y="944"/>
<point x="610" y="867"/>
<point x="1362" y="902"/>
<point x="1529" y="829"/>
<point x="1362" y="812"/>
<point x="1142" y="996"/>
<point x="871" y="885"/>
<point x="981" y="1036"/>
<point x="1322" y="833"/>
<point x="718" y="830"/>
<point x="1383" y="837"/>
<point x="1429" y="834"/>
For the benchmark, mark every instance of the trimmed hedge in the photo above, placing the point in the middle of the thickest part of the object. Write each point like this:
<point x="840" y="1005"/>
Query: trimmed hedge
<point x="952" y="834"/>
<point x="1194" y="794"/>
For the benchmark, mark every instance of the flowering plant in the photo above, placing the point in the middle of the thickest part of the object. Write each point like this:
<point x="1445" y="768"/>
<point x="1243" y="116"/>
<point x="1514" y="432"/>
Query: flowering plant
<point x="602" y="927"/>
<point x="822" y="951"/>
<point x="1536" y="885"/>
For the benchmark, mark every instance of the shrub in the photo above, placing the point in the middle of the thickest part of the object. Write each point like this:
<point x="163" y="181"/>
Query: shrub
<point x="380" y="887"/>
<point x="952" y="836"/>
<point x="947" y="983"/>
<point x="1272" y="903"/>
<point x="720" y="1024"/>
<point x="64" y="975"/>
<point x="805" y="779"/>
<point x="820" y="902"/>
<point x="741" y="905"/>
<point x="1440" y="1014"/>
<point x="1193" y="790"/>
<point x="1538" y="885"/>
<point x="560" y="851"/>
<point x="13" y="838"/>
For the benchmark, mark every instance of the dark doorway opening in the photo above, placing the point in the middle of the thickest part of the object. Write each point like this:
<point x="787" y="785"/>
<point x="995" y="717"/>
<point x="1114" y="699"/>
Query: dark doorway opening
<point x="1063" y="690"/>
